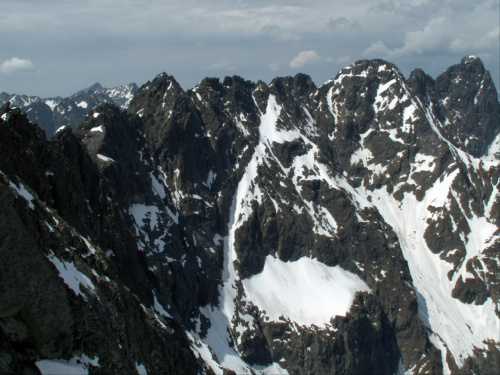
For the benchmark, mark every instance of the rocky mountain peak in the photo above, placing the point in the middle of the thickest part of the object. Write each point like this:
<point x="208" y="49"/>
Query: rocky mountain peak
<point x="369" y="68"/>
<point x="299" y="87"/>
<point x="162" y="82"/>
<point x="156" y="94"/>
<point x="213" y="83"/>
<point x="236" y="82"/>
<point x="469" y="75"/>
<point x="421" y="84"/>
<point x="468" y="106"/>
<point x="471" y="59"/>
<point x="95" y="87"/>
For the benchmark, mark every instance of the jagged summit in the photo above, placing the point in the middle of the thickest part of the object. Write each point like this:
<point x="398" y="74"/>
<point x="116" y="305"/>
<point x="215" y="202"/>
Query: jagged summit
<point x="95" y="87"/>
<point x="470" y="59"/>
<point x="258" y="228"/>
<point x="468" y="105"/>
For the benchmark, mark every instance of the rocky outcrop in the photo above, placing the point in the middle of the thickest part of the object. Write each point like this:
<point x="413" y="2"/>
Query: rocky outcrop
<point x="73" y="279"/>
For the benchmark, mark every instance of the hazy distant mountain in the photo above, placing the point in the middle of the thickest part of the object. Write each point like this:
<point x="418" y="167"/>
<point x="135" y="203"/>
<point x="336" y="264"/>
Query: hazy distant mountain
<point x="252" y="228"/>
<point x="51" y="113"/>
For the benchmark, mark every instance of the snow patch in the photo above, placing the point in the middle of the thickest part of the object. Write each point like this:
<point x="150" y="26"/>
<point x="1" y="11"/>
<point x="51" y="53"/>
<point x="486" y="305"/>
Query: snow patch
<point x="384" y="102"/>
<point x="74" y="366"/>
<point x="481" y="236"/>
<point x="159" y="309"/>
<point x="239" y="124"/>
<point x="97" y="129"/>
<point x="61" y="128"/>
<point x="211" y="178"/>
<point x="267" y="129"/>
<point x="144" y="214"/>
<point x="203" y="351"/>
<point x="105" y="158"/>
<point x="423" y="163"/>
<point x="52" y="103"/>
<point x="89" y="246"/>
<point x="72" y="277"/>
<point x="21" y="190"/>
<point x="494" y="149"/>
<point x="157" y="186"/>
<point x="305" y="291"/>
<point x="409" y="116"/>
<point x="141" y="370"/>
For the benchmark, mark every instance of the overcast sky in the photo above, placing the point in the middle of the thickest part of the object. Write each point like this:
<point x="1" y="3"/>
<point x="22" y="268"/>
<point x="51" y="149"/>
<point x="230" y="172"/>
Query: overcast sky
<point x="57" y="47"/>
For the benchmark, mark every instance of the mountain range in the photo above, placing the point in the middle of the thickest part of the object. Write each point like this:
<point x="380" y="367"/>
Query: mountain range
<point x="52" y="113"/>
<point x="254" y="228"/>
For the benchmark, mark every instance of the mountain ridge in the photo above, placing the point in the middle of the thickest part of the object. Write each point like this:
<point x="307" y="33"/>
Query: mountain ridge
<point x="218" y="188"/>
<point x="52" y="113"/>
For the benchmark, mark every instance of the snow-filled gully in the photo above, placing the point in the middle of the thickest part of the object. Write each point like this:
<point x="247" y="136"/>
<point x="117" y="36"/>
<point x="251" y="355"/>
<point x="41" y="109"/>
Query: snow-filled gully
<point x="276" y="289"/>
<point x="443" y="315"/>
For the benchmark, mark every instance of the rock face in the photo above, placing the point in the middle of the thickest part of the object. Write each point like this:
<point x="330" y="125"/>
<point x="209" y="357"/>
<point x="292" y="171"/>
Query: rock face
<point x="73" y="283"/>
<point x="245" y="227"/>
<point x="465" y="100"/>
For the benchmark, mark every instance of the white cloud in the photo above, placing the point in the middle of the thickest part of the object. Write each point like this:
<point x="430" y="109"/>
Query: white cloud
<point x="342" y="23"/>
<point x="277" y="32"/>
<point x="16" y="64"/>
<point x="437" y="34"/>
<point x="377" y="50"/>
<point x="304" y="58"/>
<point x="223" y="64"/>
<point x="274" y="66"/>
<point x="467" y="42"/>
<point x="339" y="60"/>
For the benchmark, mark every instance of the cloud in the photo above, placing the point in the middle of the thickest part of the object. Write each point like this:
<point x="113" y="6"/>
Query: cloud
<point x="15" y="64"/>
<point x="339" y="60"/>
<point x="254" y="36"/>
<point x="467" y="42"/>
<point x="277" y="32"/>
<point x="223" y="64"/>
<point x="342" y="23"/>
<point x="388" y="6"/>
<point x="436" y="36"/>
<point x="269" y="29"/>
<point x="274" y="66"/>
<point x="344" y="59"/>
<point x="376" y="50"/>
<point x="304" y="58"/>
